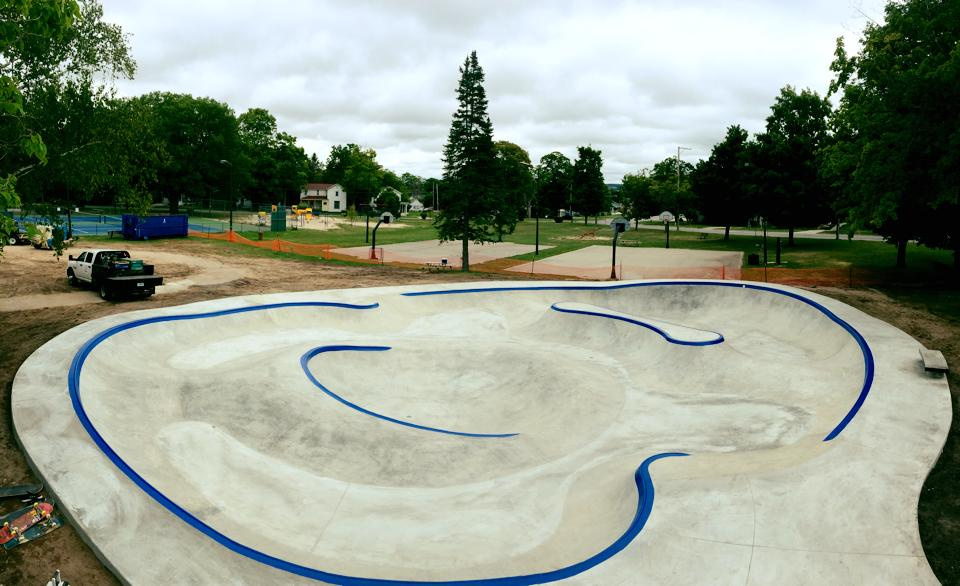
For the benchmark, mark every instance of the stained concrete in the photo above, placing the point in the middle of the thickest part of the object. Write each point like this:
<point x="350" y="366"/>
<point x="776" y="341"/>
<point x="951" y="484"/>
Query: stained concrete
<point x="218" y="415"/>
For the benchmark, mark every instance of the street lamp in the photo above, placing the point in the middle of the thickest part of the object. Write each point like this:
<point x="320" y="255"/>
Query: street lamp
<point x="233" y="201"/>
<point x="536" y="247"/>
<point x="677" y="218"/>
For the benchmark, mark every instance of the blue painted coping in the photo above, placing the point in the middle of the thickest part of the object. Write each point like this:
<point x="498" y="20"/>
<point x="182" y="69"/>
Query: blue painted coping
<point x="641" y="477"/>
<point x="868" y="363"/>
<point x="304" y="364"/>
<point x="641" y="323"/>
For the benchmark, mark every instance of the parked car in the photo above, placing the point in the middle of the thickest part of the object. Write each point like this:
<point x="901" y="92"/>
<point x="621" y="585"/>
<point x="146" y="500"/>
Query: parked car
<point x="16" y="235"/>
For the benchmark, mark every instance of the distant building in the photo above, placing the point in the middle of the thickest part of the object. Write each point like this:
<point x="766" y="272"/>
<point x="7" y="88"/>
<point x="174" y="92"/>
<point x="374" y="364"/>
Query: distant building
<point x="414" y="205"/>
<point x="326" y="197"/>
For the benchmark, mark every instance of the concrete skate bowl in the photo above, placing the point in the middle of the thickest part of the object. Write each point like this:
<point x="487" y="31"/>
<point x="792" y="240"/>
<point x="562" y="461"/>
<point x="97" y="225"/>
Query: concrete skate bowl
<point x="630" y="433"/>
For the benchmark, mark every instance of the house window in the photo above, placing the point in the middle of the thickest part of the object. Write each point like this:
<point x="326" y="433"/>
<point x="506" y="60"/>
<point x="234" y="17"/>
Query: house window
<point x="336" y="204"/>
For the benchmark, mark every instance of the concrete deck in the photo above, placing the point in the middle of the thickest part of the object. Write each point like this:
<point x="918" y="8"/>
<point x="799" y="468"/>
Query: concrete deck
<point x="594" y="262"/>
<point x="498" y="436"/>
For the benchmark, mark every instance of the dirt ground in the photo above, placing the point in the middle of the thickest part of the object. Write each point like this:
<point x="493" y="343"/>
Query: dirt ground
<point x="36" y="304"/>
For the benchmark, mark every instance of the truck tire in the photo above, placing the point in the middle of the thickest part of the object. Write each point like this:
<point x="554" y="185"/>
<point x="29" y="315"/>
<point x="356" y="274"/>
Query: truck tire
<point x="72" y="279"/>
<point x="12" y="240"/>
<point x="104" y="292"/>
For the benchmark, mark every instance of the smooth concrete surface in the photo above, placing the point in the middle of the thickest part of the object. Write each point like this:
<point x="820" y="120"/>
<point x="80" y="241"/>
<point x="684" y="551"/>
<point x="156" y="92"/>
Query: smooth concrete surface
<point x="492" y="434"/>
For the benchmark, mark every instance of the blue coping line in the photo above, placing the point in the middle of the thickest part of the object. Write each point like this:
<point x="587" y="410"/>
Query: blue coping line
<point x="644" y="324"/>
<point x="642" y="478"/>
<point x="304" y="364"/>
<point x="868" y="363"/>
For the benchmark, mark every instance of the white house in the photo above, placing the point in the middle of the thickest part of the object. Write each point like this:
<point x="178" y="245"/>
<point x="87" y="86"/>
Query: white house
<point x="415" y="205"/>
<point x="326" y="197"/>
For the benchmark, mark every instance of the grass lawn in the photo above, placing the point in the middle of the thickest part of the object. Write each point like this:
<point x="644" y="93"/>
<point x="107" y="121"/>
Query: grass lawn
<point x="808" y="253"/>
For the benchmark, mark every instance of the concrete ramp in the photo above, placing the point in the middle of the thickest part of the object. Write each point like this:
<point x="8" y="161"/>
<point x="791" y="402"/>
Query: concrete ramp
<point x="502" y="434"/>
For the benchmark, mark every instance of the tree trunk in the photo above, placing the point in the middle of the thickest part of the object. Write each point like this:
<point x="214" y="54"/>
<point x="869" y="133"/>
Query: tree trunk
<point x="726" y="233"/>
<point x="838" y="229"/>
<point x="902" y="253"/>
<point x="584" y="220"/>
<point x="790" y="237"/>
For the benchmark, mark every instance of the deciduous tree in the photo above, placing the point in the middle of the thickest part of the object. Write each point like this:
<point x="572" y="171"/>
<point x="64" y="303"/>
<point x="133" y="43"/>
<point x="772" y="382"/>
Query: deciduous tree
<point x="515" y="176"/>
<point x="901" y="102"/>
<point x="636" y="196"/>
<point x="719" y="182"/>
<point x="787" y="159"/>
<point x="554" y="182"/>
<point x="589" y="190"/>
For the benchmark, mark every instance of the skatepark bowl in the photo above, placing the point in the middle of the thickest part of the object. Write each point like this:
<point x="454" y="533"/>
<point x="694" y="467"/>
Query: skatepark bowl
<point x="496" y="434"/>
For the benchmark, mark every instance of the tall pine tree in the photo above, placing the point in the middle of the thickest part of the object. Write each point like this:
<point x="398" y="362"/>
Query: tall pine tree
<point x="473" y="203"/>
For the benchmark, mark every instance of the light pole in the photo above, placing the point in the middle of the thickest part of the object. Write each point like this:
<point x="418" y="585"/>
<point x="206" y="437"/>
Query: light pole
<point x="677" y="218"/>
<point x="536" y="246"/>
<point x="233" y="201"/>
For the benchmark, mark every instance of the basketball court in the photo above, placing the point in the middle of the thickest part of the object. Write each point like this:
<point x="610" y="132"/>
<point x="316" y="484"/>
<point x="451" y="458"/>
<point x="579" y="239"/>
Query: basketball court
<point x="595" y="262"/>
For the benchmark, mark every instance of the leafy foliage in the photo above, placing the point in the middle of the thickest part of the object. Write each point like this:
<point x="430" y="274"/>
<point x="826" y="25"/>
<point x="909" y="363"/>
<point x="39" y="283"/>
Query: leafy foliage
<point x="278" y="168"/>
<point x="589" y="190"/>
<point x="357" y="170"/>
<point x="787" y="159"/>
<point x="900" y="109"/>
<point x="554" y="183"/>
<point x="50" y="49"/>
<point x="719" y="183"/>
<point x="202" y="143"/>
<point x="669" y="194"/>
<point x="515" y="175"/>
<point x="636" y="196"/>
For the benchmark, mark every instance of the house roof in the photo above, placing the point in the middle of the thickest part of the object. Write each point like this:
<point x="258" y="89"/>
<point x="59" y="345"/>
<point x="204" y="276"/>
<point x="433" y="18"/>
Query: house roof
<point x="319" y="185"/>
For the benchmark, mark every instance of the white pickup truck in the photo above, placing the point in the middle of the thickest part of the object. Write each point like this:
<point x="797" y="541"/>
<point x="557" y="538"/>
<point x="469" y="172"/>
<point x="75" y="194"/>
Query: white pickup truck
<point x="113" y="273"/>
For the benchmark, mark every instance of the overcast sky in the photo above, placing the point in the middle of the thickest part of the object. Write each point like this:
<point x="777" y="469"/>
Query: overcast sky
<point x="634" y="79"/>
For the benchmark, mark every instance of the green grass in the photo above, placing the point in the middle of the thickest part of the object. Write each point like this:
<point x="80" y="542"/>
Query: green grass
<point x="808" y="253"/>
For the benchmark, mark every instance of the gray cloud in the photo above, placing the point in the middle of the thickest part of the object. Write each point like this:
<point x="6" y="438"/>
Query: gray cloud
<point x="633" y="78"/>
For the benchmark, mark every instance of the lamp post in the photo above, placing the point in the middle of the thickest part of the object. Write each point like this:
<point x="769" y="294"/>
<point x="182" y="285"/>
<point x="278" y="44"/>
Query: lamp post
<point x="233" y="201"/>
<point x="677" y="218"/>
<point x="536" y="246"/>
